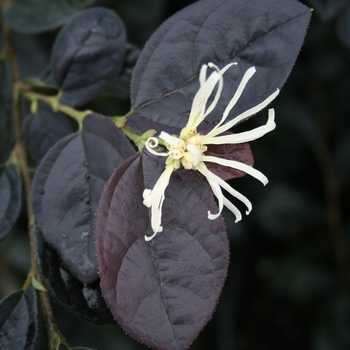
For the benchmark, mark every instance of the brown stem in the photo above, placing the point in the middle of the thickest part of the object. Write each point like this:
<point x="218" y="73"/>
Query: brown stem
<point x="53" y="101"/>
<point x="20" y="151"/>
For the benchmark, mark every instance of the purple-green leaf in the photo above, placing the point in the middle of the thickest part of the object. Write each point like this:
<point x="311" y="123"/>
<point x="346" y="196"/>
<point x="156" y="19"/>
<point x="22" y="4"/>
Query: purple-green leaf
<point x="266" y="34"/>
<point x="67" y="186"/>
<point x="164" y="291"/>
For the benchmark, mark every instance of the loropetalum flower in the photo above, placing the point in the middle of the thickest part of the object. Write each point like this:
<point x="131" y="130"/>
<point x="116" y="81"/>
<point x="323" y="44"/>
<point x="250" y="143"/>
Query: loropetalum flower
<point x="189" y="149"/>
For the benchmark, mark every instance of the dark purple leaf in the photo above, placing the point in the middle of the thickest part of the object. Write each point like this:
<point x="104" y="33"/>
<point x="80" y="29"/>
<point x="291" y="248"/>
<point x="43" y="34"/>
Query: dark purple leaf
<point x="240" y="152"/>
<point x="87" y="54"/>
<point x="18" y="320"/>
<point x="10" y="203"/>
<point x="84" y="300"/>
<point x="43" y="129"/>
<point x="67" y="186"/>
<point x="164" y="291"/>
<point x="266" y="34"/>
<point x="38" y="16"/>
<point x="6" y="122"/>
<point x="120" y="87"/>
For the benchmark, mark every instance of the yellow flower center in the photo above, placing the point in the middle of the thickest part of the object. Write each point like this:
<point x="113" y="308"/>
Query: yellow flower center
<point x="188" y="149"/>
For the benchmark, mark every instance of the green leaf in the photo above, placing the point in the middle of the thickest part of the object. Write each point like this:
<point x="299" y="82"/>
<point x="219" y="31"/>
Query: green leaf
<point x="6" y="121"/>
<point x="18" y="320"/>
<point x="37" y="285"/>
<point x="37" y="16"/>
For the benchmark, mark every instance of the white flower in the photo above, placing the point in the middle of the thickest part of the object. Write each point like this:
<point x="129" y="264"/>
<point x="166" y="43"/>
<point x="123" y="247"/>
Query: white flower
<point x="189" y="148"/>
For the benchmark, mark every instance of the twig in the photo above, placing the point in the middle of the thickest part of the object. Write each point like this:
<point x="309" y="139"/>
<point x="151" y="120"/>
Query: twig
<point x="53" y="332"/>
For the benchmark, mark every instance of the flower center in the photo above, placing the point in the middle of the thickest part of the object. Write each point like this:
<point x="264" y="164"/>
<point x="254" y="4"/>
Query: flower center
<point x="177" y="150"/>
<point x="187" y="149"/>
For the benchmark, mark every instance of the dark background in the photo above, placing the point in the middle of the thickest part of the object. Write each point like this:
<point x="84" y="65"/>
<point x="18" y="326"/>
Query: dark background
<point x="288" y="285"/>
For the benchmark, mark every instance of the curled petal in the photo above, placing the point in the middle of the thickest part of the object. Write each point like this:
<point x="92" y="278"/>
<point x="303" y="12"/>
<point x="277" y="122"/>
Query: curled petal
<point x="153" y="142"/>
<point x="149" y="238"/>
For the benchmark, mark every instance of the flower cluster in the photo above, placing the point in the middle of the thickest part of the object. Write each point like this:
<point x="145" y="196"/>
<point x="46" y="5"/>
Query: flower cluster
<point x="189" y="148"/>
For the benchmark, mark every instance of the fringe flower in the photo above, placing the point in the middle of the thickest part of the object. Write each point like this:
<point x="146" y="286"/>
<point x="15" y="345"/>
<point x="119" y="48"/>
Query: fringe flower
<point x="189" y="148"/>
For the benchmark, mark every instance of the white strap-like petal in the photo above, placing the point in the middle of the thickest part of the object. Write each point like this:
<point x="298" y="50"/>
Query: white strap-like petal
<point x="198" y="110"/>
<point x="233" y="209"/>
<point x="209" y="175"/>
<point x="247" y="75"/>
<point x="213" y="179"/>
<point x="237" y="165"/>
<point x="203" y="74"/>
<point x="215" y="100"/>
<point x="243" y="116"/>
<point x="218" y="194"/>
<point x="222" y="201"/>
<point x="245" y="136"/>
<point x="220" y="86"/>
<point x="147" y="197"/>
<point x="171" y="140"/>
<point x="236" y="194"/>
<point x="157" y="197"/>
<point x="200" y="100"/>
<point x="149" y="238"/>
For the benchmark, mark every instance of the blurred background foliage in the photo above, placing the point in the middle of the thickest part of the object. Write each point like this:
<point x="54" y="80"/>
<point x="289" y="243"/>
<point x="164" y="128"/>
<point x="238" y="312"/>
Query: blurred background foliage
<point x="288" y="285"/>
